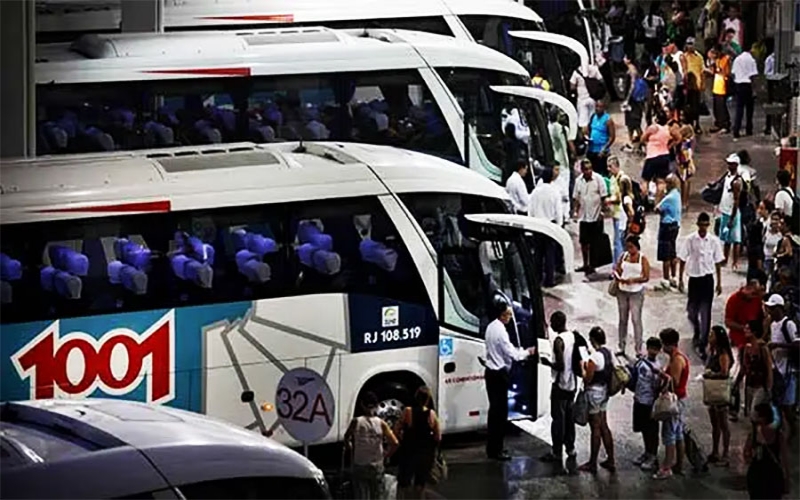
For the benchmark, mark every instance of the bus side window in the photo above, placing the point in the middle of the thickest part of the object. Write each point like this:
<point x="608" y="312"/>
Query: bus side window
<point x="351" y="245"/>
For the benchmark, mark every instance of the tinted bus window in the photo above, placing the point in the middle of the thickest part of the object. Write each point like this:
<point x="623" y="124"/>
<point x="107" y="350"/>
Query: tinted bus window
<point x="127" y="263"/>
<point x="392" y="108"/>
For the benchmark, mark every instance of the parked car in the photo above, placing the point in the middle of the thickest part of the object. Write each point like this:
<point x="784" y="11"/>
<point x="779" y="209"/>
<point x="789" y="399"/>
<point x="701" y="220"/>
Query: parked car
<point x="106" y="448"/>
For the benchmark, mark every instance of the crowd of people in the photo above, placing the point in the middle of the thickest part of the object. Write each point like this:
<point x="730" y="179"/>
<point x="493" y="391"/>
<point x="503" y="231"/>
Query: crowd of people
<point x="754" y="350"/>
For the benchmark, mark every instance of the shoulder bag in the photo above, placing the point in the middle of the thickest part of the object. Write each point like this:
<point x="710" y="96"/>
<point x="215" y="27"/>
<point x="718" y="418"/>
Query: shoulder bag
<point x="716" y="391"/>
<point x="666" y="405"/>
<point x="580" y="410"/>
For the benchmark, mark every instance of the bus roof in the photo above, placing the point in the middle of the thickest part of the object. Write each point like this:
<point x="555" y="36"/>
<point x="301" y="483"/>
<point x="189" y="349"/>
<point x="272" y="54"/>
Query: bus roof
<point x="89" y="15"/>
<point x="89" y="185"/>
<point x="131" y="57"/>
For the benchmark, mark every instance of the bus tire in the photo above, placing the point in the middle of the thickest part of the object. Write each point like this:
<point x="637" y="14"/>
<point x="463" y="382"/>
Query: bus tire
<point x="393" y="397"/>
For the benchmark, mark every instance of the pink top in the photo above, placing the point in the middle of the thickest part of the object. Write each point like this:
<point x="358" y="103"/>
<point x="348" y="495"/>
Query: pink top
<point x="658" y="141"/>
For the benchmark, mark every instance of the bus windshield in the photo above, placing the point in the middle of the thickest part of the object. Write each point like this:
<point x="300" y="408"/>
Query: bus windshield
<point x="377" y="107"/>
<point x="471" y="89"/>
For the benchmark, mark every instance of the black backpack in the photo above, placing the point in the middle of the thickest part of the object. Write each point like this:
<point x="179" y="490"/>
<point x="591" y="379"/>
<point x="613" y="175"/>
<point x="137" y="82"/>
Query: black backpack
<point x="794" y="217"/>
<point x="712" y="193"/>
<point x="595" y="87"/>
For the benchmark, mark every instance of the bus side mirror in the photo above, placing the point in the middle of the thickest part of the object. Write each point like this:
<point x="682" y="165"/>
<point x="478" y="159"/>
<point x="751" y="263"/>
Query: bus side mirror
<point x="247" y="397"/>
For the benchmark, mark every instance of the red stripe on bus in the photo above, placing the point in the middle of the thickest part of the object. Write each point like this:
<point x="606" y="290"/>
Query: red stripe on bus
<point x="474" y="413"/>
<point x="275" y="18"/>
<point x="203" y="71"/>
<point x="144" y="206"/>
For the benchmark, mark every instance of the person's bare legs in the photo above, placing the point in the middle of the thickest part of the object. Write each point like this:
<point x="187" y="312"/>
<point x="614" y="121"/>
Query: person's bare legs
<point x="608" y="442"/>
<point x="715" y="431"/>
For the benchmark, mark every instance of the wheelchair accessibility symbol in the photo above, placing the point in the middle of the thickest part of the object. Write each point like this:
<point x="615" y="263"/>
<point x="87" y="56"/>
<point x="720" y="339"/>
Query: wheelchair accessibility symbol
<point x="446" y="347"/>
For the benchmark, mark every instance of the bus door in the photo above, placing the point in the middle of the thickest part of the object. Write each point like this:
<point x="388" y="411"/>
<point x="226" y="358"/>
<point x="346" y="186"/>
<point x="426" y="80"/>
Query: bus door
<point x="487" y="258"/>
<point x="543" y="96"/>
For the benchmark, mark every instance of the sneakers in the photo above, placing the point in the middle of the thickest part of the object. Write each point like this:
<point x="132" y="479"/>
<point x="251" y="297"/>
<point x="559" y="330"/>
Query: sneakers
<point x="665" y="284"/>
<point x="663" y="474"/>
<point x="641" y="459"/>
<point x="650" y="464"/>
<point x="627" y="148"/>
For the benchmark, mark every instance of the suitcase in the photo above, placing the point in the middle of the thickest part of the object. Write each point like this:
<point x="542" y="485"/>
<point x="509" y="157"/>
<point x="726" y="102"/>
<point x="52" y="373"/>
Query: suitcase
<point x="600" y="252"/>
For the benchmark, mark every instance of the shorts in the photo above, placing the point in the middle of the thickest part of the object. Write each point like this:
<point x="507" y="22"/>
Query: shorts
<point x="672" y="429"/>
<point x="585" y="111"/>
<point x="589" y="232"/>
<point x="656" y="168"/>
<point x="643" y="418"/>
<point x="734" y="234"/>
<point x="667" y="238"/>
<point x="598" y="399"/>
<point x="790" y="394"/>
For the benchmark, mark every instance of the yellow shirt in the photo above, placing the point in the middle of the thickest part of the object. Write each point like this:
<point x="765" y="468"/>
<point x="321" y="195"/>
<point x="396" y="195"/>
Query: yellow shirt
<point x="541" y="83"/>
<point x="694" y="66"/>
<point x="722" y="67"/>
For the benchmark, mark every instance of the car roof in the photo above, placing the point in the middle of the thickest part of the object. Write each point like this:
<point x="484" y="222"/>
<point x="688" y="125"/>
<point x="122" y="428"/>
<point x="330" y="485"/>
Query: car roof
<point x="109" y="448"/>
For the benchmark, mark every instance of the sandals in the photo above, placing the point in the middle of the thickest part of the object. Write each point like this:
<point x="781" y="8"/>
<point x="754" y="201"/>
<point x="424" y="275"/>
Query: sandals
<point x="609" y="466"/>
<point x="588" y="467"/>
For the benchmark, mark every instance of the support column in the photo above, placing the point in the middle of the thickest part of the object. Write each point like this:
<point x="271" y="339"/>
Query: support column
<point x="142" y="16"/>
<point x="784" y="36"/>
<point x="17" y="83"/>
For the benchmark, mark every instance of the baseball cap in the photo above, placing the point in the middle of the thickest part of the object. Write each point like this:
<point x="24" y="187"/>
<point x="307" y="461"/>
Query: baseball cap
<point x="690" y="40"/>
<point x="774" y="300"/>
<point x="733" y="158"/>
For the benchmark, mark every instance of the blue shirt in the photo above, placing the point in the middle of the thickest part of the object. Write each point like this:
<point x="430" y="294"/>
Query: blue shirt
<point x="646" y="382"/>
<point x="670" y="207"/>
<point x="598" y="132"/>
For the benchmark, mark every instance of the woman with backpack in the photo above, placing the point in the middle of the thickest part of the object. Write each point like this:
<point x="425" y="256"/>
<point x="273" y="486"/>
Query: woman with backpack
<point x="597" y="377"/>
<point x="365" y="437"/>
<point x="767" y="454"/>
<point x="420" y="435"/>
<point x="718" y="366"/>
<point x="634" y="105"/>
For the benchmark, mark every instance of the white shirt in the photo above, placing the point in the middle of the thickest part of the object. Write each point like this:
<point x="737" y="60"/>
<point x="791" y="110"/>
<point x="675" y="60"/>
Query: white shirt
<point x="500" y="352"/>
<point x="565" y="379"/>
<point x="545" y="203"/>
<point x="577" y="79"/>
<point x="515" y="186"/>
<point x="651" y="30"/>
<point x="521" y="128"/>
<point x="727" y="201"/>
<point x="744" y="68"/>
<point x="701" y="255"/>
<point x="769" y="65"/>
<point x="784" y="202"/>
<point x="736" y="26"/>
<point x="590" y="194"/>
<point x="780" y="357"/>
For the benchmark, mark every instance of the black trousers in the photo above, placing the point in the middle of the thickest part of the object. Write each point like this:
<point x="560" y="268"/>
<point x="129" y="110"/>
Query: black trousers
<point x="545" y="258"/>
<point x="744" y="104"/>
<point x="562" y="430"/>
<point x="599" y="162"/>
<point x="497" y="389"/>
<point x="722" y="119"/>
<point x="698" y="308"/>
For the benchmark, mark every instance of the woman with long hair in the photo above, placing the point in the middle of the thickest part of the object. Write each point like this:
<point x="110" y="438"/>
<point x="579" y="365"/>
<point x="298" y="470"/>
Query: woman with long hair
<point x="685" y="160"/>
<point x="419" y="434"/>
<point x="632" y="272"/>
<point x="766" y="453"/>
<point x="596" y="377"/>
<point x="720" y="361"/>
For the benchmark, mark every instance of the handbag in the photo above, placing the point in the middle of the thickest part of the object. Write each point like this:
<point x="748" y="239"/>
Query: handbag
<point x="716" y="391"/>
<point x="666" y="405"/>
<point x="613" y="288"/>
<point x="439" y="468"/>
<point x="580" y="410"/>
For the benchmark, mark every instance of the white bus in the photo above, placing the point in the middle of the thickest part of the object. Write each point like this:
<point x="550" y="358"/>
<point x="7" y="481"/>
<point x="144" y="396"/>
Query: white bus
<point x="197" y="277"/>
<point x="505" y="25"/>
<point x="393" y="87"/>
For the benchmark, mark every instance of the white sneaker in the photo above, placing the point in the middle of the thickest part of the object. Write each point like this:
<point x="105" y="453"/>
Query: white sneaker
<point x="650" y="464"/>
<point x="665" y="284"/>
<point x="641" y="459"/>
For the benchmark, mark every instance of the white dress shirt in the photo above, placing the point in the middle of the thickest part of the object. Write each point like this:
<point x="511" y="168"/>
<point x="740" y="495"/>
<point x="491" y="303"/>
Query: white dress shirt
<point x="521" y="128"/>
<point x="701" y="254"/>
<point x="500" y="352"/>
<point x="744" y="68"/>
<point x="516" y="189"/>
<point x="545" y="203"/>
